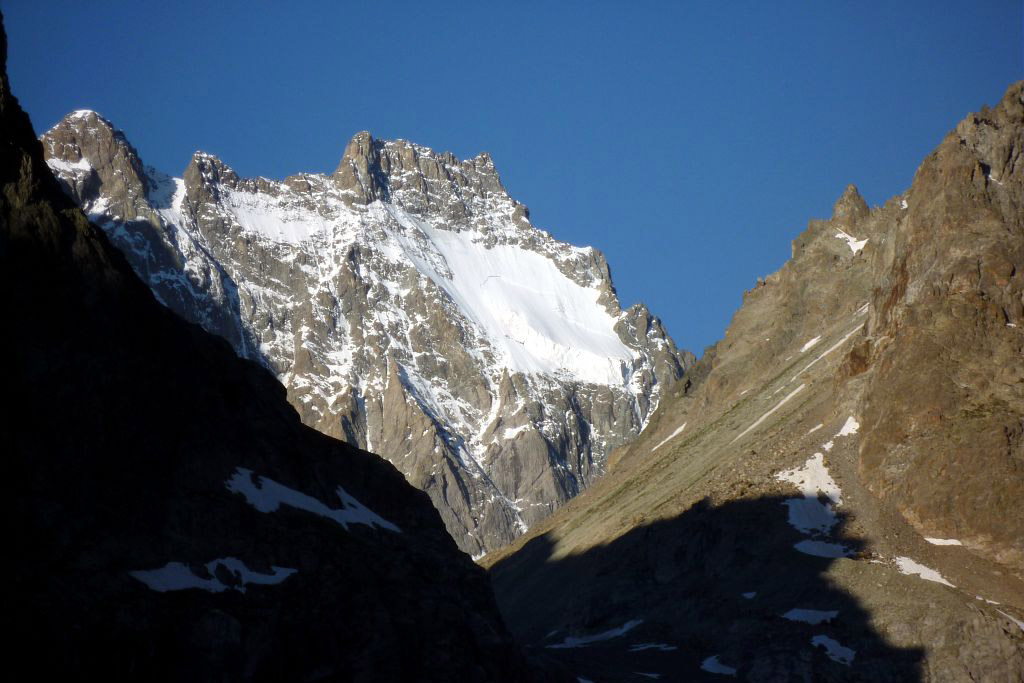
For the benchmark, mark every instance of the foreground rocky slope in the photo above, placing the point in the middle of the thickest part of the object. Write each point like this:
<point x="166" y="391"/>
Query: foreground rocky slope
<point x="172" y="518"/>
<point x="835" y="492"/>
<point x="408" y="306"/>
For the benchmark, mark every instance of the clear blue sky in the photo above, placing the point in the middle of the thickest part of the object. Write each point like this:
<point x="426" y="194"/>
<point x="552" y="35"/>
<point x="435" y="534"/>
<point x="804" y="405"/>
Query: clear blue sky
<point x="690" y="142"/>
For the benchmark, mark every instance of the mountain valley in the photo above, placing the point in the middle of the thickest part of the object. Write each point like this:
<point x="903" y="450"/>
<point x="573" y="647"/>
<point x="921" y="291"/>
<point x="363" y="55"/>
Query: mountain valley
<point x="374" y="425"/>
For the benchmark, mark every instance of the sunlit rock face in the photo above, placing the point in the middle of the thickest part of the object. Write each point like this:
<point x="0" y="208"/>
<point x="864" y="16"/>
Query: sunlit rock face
<point x="833" y="493"/>
<point x="407" y="304"/>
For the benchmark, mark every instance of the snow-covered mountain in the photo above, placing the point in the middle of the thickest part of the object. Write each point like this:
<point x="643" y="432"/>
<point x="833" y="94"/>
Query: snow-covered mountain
<point x="407" y="304"/>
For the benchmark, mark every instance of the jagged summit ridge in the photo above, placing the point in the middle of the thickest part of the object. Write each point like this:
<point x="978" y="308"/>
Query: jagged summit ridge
<point x="408" y="305"/>
<point x="369" y="168"/>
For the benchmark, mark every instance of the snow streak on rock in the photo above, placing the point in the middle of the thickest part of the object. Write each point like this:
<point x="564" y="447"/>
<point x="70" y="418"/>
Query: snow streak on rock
<point x="266" y="495"/>
<point x="581" y="641"/>
<point x="176" y="576"/>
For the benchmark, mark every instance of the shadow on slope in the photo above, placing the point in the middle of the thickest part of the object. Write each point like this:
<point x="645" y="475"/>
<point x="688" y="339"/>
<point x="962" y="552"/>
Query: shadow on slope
<point x="712" y="582"/>
<point x="126" y="434"/>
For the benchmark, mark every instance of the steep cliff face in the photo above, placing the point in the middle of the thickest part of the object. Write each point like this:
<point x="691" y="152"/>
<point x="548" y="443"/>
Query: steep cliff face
<point x="833" y="493"/>
<point x="172" y="518"/>
<point x="408" y="306"/>
<point x="943" y="406"/>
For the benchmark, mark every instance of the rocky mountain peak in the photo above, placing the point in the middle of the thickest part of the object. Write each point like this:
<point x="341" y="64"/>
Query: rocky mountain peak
<point x="419" y="179"/>
<point x="182" y="524"/>
<point x="89" y="153"/>
<point x="208" y="171"/>
<point x="850" y="207"/>
<point x="359" y="175"/>
<point x="409" y="306"/>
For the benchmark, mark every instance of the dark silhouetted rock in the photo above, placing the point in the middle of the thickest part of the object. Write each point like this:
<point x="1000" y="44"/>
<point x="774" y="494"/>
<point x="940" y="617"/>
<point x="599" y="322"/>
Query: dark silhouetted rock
<point x="172" y="518"/>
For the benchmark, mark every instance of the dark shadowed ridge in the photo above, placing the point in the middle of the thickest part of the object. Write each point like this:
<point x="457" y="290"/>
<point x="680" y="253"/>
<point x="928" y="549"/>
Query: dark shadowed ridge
<point x="126" y="426"/>
<point x="712" y="582"/>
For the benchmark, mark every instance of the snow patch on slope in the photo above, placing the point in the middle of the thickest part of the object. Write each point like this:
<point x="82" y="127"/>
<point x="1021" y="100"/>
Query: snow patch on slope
<point x="677" y="432"/>
<point x="1020" y="624"/>
<point x="809" y="514"/>
<point x="942" y="541"/>
<point x="536" y="319"/>
<point x="580" y="641"/>
<point x="910" y="567"/>
<point x="809" y="345"/>
<point x="260" y="214"/>
<point x="58" y="165"/>
<point x="834" y="651"/>
<point x="765" y="416"/>
<point x="715" y="666"/>
<point x="829" y="350"/>
<point x="267" y="495"/>
<point x="661" y="647"/>
<point x="176" y="576"/>
<point x="849" y="428"/>
<point x="811" y="616"/>
<point x="855" y="244"/>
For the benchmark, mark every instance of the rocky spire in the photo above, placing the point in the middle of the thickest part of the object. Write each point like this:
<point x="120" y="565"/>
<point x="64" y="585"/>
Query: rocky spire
<point x="94" y="154"/>
<point x="850" y="207"/>
<point x="417" y="178"/>
<point x="359" y="174"/>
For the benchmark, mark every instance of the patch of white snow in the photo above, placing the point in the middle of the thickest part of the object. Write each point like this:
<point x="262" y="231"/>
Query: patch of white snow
<point x="809" y="514"/>
<point x="827" y="351"/>
<point x="677" y="432"/>
<point x="581" y="641"/>
<point x="713" y="665"/>
<point x="539" y="320"/>
<point x="809" y="345"/>
<point x="813" y="479"/>
<point x="765" y="416"/>
<point x="811" y="616"/>
<point x="910" y="567"/>
<point x="513" y="432"/>
<point x="942" y="541"/>
<point x="855" y="244"/>
<point x="267" y="495"/>
<point x="176" y="576"/>
<point x="835" y="651"/>
<point x="661" y="647"/>
<point x="1019" y="623"/>
<point x="850" y="427"/>
<point x="59" y="165"/>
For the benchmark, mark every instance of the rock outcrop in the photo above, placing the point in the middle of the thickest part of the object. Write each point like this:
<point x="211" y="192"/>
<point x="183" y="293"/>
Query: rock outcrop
<point x="408" y="306"/>
<point x="833" y="493"/>
<point x="943" y="405"/>
<point x="172" y="518"/>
